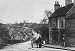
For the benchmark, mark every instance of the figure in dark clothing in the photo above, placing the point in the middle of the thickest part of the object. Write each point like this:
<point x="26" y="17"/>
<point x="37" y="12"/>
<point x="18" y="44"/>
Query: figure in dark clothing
<point x="39" y="42"/>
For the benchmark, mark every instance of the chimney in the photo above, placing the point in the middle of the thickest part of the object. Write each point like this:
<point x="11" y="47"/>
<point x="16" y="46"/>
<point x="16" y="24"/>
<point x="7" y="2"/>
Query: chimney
<point x="56" y="5"/>
<point x="74" y="1"/>
<point x="68" y="2"/>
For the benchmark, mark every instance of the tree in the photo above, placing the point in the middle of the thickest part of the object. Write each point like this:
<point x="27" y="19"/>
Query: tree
<point x="44" y="31"/>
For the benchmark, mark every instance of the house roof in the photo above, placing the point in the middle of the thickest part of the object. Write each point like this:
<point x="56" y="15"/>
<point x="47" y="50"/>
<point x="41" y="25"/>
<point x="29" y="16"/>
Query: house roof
<point x="62" y="11"/>
<point x="71" y="11"/>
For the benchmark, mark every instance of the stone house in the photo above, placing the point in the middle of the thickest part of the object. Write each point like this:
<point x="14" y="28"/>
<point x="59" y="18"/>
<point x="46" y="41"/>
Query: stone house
<point x="62" y="25"/>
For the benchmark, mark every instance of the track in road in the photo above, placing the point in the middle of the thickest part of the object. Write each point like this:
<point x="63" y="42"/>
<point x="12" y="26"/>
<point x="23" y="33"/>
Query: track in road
<point x="26" y="46"/>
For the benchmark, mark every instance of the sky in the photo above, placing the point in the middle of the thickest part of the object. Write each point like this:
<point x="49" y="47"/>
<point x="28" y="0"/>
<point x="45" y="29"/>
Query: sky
<point x="20" y="10"/>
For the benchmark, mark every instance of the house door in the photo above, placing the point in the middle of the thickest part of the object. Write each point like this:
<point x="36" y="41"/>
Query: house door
<point x="54" y="37"/>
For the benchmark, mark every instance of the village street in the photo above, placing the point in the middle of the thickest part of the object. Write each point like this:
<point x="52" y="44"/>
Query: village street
<point x="26" y="46"/>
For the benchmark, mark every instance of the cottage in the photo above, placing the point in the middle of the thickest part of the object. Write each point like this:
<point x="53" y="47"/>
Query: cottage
<point x="62" y="25"/>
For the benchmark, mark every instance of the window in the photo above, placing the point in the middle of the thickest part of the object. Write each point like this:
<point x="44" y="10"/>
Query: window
<point x="53" y="22"/>
<point x="68" y="24"/>
<point x="62" y="23"/>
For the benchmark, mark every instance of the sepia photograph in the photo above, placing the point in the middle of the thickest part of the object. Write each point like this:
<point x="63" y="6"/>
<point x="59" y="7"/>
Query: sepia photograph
<point x="37" y="25"/>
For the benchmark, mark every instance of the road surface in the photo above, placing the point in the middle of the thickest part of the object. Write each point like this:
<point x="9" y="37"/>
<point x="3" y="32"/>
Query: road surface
<point x="26" y="46"/>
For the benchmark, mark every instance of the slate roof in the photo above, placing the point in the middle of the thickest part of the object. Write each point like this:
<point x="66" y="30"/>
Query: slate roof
<point x="71" y="11"/>
<point x="62" y="11"/>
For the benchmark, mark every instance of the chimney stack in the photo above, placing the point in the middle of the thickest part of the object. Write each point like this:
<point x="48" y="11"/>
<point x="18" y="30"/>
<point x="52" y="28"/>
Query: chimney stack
<point x="74" y="1"/>
<point x="56" y="5"/>
<point x="68" y="2"/>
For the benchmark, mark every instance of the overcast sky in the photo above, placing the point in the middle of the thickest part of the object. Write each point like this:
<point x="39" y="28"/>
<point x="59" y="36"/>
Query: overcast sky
<point x="19" y="10"/>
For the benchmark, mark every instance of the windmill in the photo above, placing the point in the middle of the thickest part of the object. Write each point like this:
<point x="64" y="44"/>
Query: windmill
<point x="47" y="14"/>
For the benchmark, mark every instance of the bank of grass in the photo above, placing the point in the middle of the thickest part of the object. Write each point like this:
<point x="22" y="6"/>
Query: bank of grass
<point x="11" y="42"/>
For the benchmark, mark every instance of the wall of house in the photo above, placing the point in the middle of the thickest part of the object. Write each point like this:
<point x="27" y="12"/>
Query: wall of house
<point x="53" y="32"/>
<point x="70" y="30"/>
<point x="70" y="25"/>
<point x="56" y="24"/>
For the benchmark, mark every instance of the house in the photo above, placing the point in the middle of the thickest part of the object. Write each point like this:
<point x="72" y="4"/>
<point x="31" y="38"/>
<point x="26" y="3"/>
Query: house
<point x="62" y="25"/>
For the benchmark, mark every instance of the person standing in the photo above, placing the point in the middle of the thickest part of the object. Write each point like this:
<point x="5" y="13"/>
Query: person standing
<point x="40" y="42"/>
